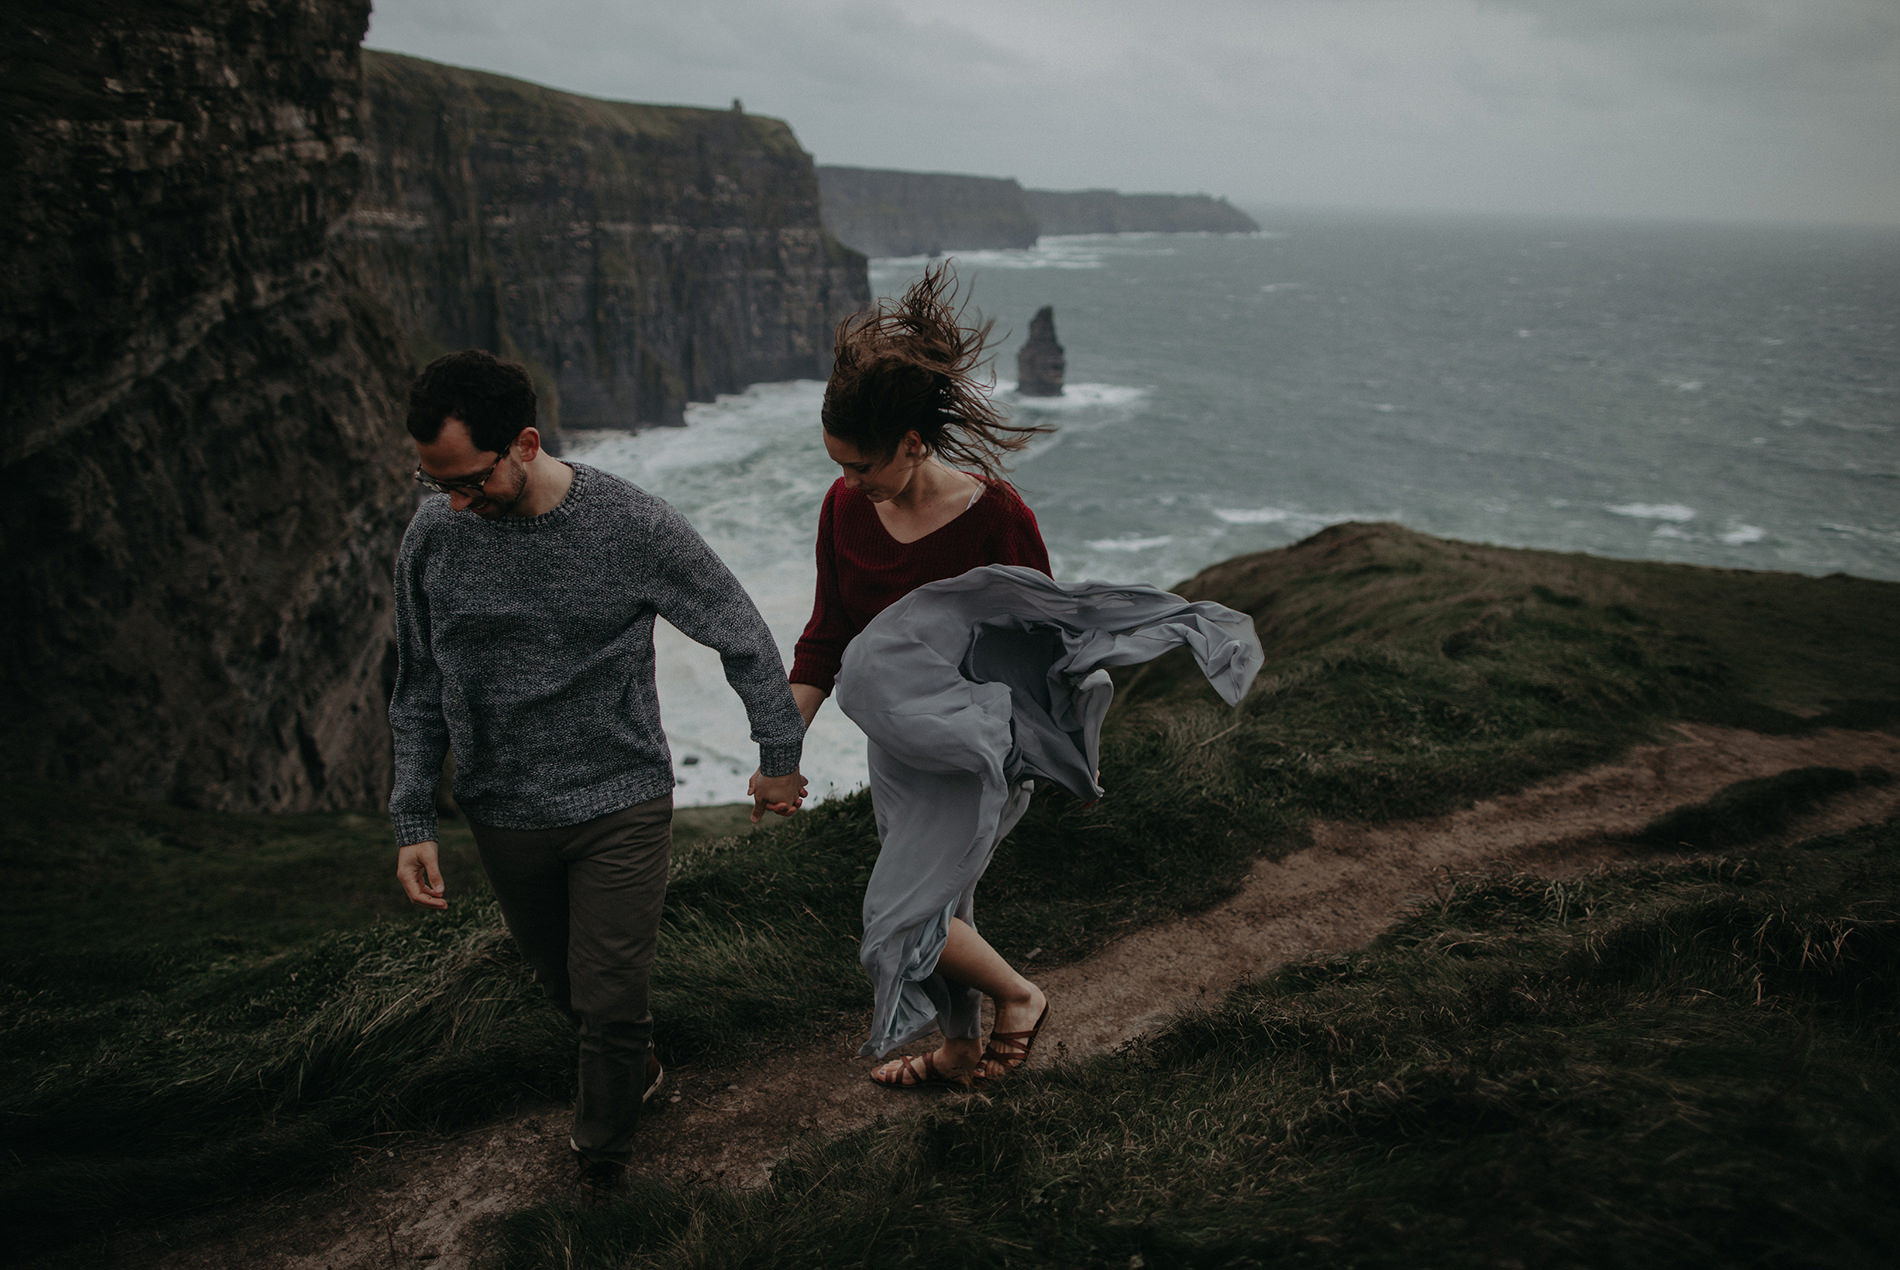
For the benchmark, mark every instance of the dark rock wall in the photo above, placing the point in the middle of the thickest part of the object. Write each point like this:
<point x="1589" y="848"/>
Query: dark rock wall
<point x="1108" y="212"/>
<point x="635" y="257"/>
<point x="205" y="479"/>
<point x="884" y="213"/>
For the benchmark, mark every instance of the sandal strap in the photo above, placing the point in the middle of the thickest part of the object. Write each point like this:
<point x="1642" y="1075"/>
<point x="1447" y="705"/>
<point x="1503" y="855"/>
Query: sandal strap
<point x="1018" y="1044"/>
<point x="905" y="1075"/>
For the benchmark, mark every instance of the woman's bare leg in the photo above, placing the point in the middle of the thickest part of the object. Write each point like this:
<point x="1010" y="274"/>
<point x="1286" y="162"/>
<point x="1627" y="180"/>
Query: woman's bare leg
<point x="967" y="958"/>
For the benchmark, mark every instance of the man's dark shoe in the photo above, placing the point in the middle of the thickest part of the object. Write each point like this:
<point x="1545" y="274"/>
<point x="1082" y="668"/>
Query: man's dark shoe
<point x="598" y="1179"/>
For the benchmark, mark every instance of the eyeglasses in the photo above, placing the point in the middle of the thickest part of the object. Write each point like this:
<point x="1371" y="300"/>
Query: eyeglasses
<point x="461" y="484"/>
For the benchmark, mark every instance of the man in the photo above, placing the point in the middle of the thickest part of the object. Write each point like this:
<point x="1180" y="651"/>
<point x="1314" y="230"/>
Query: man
<point x="525" y="602"/>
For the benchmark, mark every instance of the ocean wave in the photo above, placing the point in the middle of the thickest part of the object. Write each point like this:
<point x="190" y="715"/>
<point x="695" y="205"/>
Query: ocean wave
<point x="1740" y="535"/>
<point x="1129" y="544"/>
<point x="1859" y="531"/>
<point x="721" y="433"/>
<point x="1058" y="254"/>
<point x="1653" y="511"/>
<point x="1254" y="515"/>
<point x="1074" y="397"/>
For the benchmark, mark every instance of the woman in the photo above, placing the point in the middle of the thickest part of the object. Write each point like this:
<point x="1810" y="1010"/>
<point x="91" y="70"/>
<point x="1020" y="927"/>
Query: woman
<point x="904" y="416"/>
<point x="971" y="671"/>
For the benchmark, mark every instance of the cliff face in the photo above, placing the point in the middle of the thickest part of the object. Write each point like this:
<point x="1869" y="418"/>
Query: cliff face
<point x="205" y="479"/>
<point x="635" y="257"/>
<point x="883" y="213"/>
<point x="1107" y="212"/>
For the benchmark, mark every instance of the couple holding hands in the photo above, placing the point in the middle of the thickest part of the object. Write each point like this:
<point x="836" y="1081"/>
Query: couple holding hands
<point x="525" y="602"/>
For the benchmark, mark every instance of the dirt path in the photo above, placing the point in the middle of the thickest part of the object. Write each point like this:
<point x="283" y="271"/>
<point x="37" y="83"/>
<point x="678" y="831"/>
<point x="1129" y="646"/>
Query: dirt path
<point x="421" y="1204"/>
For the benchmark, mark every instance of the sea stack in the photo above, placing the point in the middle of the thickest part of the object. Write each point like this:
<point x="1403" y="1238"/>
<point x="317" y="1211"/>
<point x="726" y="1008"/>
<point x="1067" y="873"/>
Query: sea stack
<point x="1039" y="362"/>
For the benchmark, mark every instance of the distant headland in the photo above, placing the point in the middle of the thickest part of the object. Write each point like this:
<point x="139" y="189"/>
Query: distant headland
<point x="889" y="213"/>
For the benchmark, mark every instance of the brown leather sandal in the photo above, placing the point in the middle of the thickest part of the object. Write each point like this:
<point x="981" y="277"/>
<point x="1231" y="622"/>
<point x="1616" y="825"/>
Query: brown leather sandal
<point x="1017" y="1053"/>
<point x="912" y="1072"/>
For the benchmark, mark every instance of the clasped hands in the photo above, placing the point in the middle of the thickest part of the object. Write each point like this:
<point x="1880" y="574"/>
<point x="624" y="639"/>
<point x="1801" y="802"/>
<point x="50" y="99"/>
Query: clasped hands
<point x="781" y="795"/>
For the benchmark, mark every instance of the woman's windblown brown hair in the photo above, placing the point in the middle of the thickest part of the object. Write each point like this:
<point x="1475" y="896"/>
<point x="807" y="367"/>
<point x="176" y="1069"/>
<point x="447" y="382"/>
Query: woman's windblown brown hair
<point x="912" y="364"/>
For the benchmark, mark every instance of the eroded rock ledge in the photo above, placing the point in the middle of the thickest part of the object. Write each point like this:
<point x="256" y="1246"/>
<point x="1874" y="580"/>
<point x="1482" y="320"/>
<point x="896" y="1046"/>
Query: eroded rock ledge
<point x="637" y="257"/>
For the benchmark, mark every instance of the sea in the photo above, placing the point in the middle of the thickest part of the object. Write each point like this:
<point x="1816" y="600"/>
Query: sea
<point x="1717" y="395"/>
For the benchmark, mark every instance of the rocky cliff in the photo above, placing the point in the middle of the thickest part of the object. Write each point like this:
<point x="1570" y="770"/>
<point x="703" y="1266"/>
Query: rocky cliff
<point x="1040" y="362"/>
<point x="885" y="213"/>
<point x="204" y="478"/>
<point x="635" y="257"/>
<point x="1109" y="212"/>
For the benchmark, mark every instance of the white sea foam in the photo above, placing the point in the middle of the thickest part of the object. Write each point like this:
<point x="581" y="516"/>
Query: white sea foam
<point x="1254" y="515"/>
<point x="1740" y="535"/>
<point x="1653" y="511"/>
<point x="890" y="274"/>
<point x="1075" y="398"/>
<point x="1130" y="544"/>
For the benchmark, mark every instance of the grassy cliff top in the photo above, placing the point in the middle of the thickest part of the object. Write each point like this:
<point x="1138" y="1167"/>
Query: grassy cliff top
<point x="1779" y="650"/>
<point x="532" y="109"/>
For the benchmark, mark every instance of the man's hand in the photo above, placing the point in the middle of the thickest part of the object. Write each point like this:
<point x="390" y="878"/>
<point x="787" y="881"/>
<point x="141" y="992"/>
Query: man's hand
<point x="421" y="879"/>
<point x="780" y="794"/>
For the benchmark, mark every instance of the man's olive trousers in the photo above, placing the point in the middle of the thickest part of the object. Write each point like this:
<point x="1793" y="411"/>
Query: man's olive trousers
<point x="583" y="903"/>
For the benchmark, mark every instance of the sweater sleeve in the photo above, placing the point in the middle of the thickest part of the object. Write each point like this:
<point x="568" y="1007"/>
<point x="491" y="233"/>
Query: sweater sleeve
<point x="1021" y="537"/>
<point x="820" y="650"/>
<point x="419" y="736"/>
<point x="695" y="591"/>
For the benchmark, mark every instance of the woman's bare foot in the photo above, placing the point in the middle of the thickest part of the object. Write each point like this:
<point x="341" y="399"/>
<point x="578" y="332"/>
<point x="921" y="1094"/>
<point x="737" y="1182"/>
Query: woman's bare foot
<point x="1013" y="1032"/>
<point x="955" y="1063"/>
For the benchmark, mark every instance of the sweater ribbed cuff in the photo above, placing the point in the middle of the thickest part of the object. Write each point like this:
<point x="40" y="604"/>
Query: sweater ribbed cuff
<point x="413" y="828"/>
<point x="780" y="760"/>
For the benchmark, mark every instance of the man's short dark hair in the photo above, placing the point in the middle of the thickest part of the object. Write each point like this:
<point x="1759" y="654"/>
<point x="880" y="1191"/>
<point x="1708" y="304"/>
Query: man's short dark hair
<point x="494" y="398"/>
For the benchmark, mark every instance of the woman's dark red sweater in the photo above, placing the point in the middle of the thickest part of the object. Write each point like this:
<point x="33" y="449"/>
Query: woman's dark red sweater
<point x="862" y="570"/>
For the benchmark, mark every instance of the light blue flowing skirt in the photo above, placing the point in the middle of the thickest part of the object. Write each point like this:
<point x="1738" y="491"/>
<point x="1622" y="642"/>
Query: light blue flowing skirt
<point x="968" y="690"/>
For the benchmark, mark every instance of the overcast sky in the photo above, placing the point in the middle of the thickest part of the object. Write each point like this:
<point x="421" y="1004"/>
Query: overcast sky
<point x="1775" y="109"/>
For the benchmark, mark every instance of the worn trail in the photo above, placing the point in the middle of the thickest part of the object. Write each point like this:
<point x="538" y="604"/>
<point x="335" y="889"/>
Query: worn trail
<point x="422" y="1203"/>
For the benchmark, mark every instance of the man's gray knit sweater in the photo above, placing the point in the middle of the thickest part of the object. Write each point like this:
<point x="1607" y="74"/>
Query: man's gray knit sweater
<point x="526" y="647"/>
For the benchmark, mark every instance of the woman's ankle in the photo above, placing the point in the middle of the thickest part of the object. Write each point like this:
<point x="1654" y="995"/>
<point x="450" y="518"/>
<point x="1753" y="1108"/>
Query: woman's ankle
<point x="960" y="1055"/>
